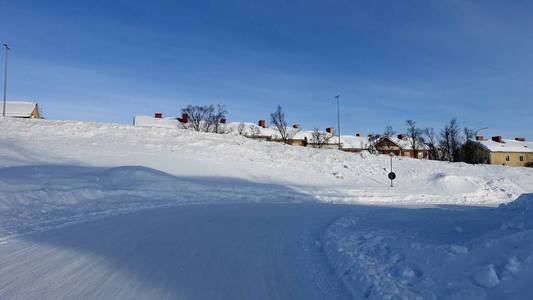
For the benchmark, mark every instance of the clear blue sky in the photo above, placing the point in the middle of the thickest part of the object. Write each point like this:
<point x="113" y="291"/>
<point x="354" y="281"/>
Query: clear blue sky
<point x="390" y="60"/>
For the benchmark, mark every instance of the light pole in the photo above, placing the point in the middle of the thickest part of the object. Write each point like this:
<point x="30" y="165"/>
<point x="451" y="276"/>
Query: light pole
<point x="5" y="82"/>
<point x="338" y="119"/>
<point x="477" y="144"/>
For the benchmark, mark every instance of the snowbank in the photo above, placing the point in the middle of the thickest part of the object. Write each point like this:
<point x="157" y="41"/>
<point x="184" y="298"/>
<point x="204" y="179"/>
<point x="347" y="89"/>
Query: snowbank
<point x="456" y="254"/>
<point x="47" y="196"/>
<point x="328" y="175"/>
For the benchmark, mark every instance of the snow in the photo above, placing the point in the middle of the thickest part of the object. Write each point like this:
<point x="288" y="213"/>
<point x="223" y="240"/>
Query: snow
<point x="18" y="108"/>
<point x="96" y="210"/>
<point x="406" y="254"/>
<point x="507" y="146"/>
<point x="149" y="121"/>
<point x="407" y="143"/>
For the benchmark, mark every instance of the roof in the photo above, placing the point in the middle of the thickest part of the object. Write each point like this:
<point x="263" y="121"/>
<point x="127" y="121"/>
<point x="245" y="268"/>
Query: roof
<point x="18" y="108"/>
<point x="407" y="144"/>
<point x="353" y="142"/>
<point x="507" y="146"/>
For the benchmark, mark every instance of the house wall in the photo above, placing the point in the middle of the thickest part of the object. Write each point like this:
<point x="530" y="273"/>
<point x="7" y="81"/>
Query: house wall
<point x="500" y="158"/>
<point x="35" y="114"/>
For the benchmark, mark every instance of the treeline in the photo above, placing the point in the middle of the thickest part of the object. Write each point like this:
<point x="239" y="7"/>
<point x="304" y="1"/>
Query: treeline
<point x="451" y="143"/>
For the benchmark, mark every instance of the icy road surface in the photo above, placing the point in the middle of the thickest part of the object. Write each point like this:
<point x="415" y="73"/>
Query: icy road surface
<point x="226" y="251"/>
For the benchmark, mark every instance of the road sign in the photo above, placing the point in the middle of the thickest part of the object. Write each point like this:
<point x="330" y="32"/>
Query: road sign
<point x="392" y="176"/>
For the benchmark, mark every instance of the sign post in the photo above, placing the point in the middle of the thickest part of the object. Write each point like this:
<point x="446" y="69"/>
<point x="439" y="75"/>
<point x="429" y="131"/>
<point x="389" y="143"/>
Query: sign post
<point x="391" y="175"/>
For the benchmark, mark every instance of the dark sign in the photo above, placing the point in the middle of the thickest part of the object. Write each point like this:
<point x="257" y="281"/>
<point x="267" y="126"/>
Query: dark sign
<point x="392" y="176"/>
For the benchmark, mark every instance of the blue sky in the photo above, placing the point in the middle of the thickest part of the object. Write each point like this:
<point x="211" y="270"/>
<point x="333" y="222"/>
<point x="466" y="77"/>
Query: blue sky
<point x="389" y="60"/>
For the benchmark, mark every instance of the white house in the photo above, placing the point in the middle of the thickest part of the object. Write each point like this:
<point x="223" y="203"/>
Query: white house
<point x="21" y="109"/>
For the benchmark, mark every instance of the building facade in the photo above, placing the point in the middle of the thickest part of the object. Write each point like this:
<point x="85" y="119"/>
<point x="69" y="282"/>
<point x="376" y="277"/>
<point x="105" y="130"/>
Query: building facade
<point x="507" y="152"/>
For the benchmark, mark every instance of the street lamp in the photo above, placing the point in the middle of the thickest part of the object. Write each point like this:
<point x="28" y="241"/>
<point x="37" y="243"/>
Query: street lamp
<point x="477" y="143"/>
<point x="338" y="120"/>
<point x="5" y="82"/>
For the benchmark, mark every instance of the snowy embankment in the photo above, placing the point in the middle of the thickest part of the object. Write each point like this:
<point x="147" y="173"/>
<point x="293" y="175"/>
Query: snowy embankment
<point x="58" y="171"/>
<point x="434" y="254"/>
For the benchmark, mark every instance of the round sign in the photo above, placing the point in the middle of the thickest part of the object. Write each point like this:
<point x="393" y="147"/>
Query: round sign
<point x="392" y="176"/>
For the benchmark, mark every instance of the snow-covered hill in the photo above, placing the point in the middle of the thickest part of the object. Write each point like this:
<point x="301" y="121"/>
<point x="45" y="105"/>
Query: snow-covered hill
<point x="327" y="175"/>
<point x="56" y="173"/>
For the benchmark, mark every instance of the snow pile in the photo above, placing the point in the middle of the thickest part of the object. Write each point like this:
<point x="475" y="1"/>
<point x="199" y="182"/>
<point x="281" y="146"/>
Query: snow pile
<point x="47" y="196"/>
<point x="472" y="253"/>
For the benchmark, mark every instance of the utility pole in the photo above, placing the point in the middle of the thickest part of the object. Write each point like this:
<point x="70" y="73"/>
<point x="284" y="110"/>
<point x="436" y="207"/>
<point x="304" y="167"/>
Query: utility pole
<point x="477" y="143"/>
<point x="338" y="120"/>
<point x="5" y="82"/>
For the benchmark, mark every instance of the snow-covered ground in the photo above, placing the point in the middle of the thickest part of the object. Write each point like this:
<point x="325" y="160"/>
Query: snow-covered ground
<point x="54" y="174"/>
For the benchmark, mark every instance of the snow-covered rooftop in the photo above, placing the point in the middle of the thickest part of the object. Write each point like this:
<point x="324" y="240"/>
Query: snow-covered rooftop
<point x="18" y="108"/>
<point x="507" y="146"/>
<point x="351" y="141"/>
<point x="407" y="143"/>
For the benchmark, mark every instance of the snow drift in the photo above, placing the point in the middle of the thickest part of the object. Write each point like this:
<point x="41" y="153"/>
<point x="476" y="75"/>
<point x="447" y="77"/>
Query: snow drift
<point x="474" y="253"/>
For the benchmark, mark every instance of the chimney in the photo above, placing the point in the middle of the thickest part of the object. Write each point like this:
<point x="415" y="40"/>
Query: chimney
<point x="480" y="138"/>
<point x="330" y="130"/>
<point x="262" y="123"/>
<point x="184" y="118"/>
<point x="520" y="139"/>
<point x="296" y="126"/>
<point x="158" y="115"/>
<point x="223" y="121"/>
<point x="497" y="139"/>
<point x="358" y="134"/>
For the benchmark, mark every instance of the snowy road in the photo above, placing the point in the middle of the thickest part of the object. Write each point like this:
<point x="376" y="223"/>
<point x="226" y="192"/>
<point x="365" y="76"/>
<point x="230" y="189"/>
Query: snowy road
<point x="227" y="251"/>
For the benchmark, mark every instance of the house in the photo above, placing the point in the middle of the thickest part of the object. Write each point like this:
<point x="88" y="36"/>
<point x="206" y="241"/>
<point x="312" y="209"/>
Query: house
<point x="401" y="145"/>
<point x="354" y="143"/>
<point x="21" y="109"/>
<point x="156" y="121"/>
<point x="499" y="151"/>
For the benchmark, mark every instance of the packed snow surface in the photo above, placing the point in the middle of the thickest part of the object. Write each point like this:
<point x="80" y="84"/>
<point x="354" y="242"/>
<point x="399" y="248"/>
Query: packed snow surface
<point x="276" y="221"/>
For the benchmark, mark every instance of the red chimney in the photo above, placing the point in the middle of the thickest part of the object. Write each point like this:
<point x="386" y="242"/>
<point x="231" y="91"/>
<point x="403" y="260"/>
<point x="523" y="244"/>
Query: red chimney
<point x="480" y="138"/>
<point x="296" y="126"/>
<point x="330" y="130"/>
<point x="520" y="139"/>
<point x="223" y="121"/>
<point x="262" y="123"/>
<point x="497" y="139"/>
<point x="184" y="118"/>
<point x="158" y="115"/>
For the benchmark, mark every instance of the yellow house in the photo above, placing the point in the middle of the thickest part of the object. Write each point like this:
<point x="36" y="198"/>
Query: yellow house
<point x="21" y="109"/>
<point x="499" y="151"/>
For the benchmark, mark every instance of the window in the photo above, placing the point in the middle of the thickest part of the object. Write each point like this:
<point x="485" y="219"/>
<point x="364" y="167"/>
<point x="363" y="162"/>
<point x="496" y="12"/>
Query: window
<point x="507" y="158"/>
<point x="521" y="158"/>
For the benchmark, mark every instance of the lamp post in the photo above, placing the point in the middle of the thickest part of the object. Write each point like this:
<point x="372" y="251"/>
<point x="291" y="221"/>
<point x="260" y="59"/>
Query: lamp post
<point x="5" y="81"/>
<point x="477" y="143"/>
<point x="338" y="120"/>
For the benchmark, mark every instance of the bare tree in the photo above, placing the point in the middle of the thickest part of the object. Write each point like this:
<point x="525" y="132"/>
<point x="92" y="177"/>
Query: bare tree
<point x="241" y="128"/>
<point x="254" y="131"/>
<point x="431" y="141"/>
<point x="214" y="119"/>
<point x="278" y="119"/>
<point x="197" y="115"/>
<point x="451" y="141"/>
<point x="388" y="131"/>
<point x="373" y="139"/>
<point x="319" y="139"/>
<point x="415" y="135"/>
